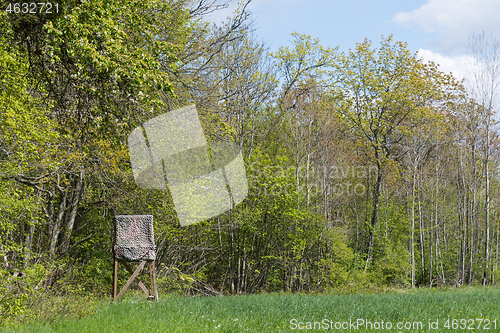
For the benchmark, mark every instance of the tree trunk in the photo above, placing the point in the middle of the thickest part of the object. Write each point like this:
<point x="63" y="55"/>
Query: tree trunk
<point x="412" y="249"/>
<point x="76" y="198"/>
<point x="422" y="238"/>
<point x="56" y="227"/>
<point x="29" y="243"/>
<point x="376" y="203"/>
<point x="487" y="205"/>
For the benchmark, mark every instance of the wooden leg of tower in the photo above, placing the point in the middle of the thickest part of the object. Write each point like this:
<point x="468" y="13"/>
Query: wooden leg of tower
<point x="131" y="279"/>
<point x="141" y="285"/>
<point x="151" y="288"/>
<point x="115" y="273"/>
<point x="155" y="290"/>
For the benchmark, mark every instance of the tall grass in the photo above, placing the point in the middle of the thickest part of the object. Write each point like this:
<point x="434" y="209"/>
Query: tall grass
<point x="284" y="312"/>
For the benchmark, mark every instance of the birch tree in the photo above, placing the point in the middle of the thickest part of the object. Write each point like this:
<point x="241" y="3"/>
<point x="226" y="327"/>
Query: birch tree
<point x="483" y="83"/>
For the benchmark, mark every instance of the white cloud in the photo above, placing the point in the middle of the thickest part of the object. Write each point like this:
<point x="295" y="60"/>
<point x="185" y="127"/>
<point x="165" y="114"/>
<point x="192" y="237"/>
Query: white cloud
<point x="464" y="67"/>
<point x="453" y="21"/>
<point x="457" y="65"/>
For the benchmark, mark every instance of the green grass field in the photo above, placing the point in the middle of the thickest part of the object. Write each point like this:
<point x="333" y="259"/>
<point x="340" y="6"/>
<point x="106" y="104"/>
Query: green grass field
<point x="412" y="311"/>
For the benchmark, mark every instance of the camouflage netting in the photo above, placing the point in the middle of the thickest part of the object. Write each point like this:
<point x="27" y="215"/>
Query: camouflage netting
<point x="134" y="238"/>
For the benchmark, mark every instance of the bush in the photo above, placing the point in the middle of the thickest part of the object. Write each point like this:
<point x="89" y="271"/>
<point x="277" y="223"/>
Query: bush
<point x="42" y="293"/>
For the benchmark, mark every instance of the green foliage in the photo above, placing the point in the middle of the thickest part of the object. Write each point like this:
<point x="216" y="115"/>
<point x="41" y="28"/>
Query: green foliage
<point x="395" y="266"/>
<point x="26" y="129"/>
<point x="30" y="297"/>
<point x="308" y="57"/>
<point x="25" y="142"/>
<point x="105" y="45"/>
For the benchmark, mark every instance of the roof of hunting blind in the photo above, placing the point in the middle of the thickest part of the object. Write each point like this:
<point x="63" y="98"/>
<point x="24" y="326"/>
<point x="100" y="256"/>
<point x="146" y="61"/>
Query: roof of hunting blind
<point x="134" y="238"/>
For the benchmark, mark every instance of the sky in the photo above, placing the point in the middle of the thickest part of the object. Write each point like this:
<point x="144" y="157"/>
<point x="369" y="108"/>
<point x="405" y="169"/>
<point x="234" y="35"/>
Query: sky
<point x="438" y="29"/>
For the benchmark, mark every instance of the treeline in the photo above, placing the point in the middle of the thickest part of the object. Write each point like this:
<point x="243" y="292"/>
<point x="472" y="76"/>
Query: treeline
<point x="366" y="168"/>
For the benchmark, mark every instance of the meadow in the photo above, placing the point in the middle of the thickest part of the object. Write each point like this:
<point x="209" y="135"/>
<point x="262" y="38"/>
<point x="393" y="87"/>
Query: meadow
<point x="452" y="310"/>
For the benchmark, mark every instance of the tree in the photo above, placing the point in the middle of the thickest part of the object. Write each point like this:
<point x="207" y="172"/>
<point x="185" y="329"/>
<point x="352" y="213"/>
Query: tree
<point x="307" y="60"/>
<point x="26" y="143"/>
<point x="96" y="67"/>
<point x="380" y="95"/>
<point x="483" y="83"/>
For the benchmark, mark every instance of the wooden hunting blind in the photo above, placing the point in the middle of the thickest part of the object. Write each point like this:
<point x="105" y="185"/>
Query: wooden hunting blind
<point x="134" y="242"/>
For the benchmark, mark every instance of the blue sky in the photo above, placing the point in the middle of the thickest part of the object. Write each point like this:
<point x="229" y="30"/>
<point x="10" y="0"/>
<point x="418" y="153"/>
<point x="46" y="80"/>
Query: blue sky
<point x="438" y="29"/>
